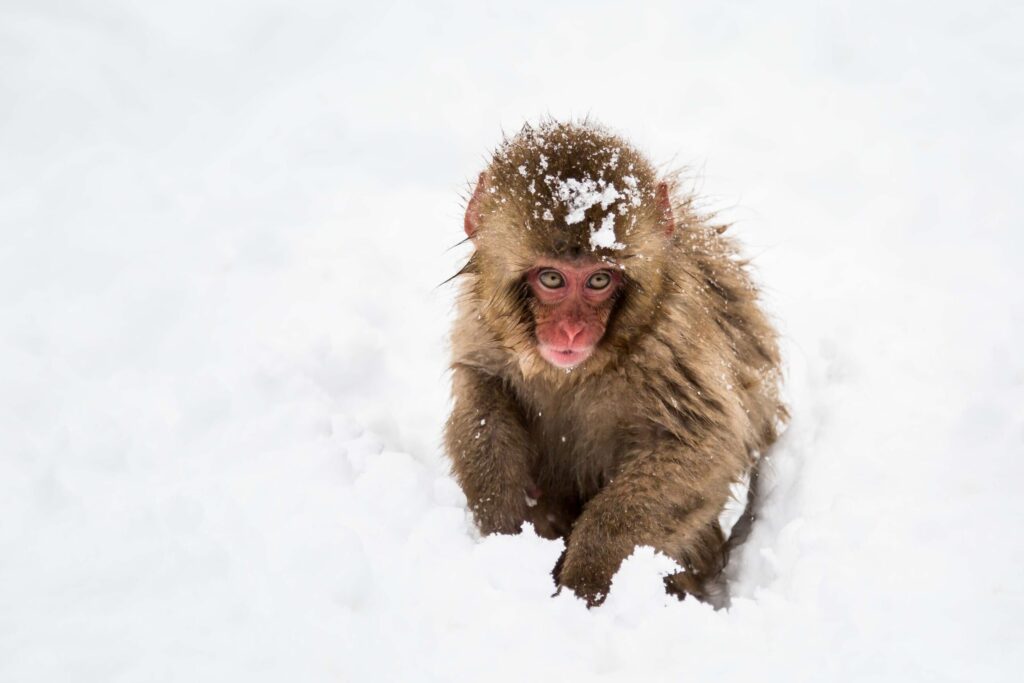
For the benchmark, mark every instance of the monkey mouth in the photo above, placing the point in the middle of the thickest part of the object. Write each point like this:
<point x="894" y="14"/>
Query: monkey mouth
<point x="565" y="358"/>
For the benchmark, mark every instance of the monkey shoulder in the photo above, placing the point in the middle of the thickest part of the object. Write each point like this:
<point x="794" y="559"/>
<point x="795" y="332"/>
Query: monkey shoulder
<point x="475" y="346"/>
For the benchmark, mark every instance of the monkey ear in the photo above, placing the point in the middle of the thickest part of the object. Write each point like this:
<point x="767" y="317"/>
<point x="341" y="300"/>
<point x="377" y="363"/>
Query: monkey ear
<point x="663" y="200"/>
<point x="472" y="220"/>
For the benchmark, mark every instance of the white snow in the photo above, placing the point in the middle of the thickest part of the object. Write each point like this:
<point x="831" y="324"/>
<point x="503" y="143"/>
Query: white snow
<point x="222" y="356"/>
<point x="735" y="506"/>
<point x="580" y="194"/>
<point x="604" y="236"/>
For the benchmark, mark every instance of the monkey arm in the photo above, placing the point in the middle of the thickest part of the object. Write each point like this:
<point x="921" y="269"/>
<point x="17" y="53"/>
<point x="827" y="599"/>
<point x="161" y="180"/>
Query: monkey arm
<point x="490" y="450"/>
<point x="658" y="498"/>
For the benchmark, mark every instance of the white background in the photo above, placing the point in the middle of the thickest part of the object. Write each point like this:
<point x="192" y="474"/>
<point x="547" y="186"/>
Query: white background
<point x="223" y="229"/>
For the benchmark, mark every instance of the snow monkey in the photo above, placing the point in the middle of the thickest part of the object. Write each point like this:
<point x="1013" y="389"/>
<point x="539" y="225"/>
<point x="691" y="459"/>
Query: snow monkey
<point x="613" y="374"/>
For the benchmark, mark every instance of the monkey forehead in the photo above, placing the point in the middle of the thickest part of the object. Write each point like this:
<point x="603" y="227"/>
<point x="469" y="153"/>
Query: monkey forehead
<point x="564" y="189"/>
<point x="515" y="238"/>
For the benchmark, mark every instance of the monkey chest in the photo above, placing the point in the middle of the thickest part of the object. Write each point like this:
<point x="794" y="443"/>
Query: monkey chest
<point x="578" y="442"/>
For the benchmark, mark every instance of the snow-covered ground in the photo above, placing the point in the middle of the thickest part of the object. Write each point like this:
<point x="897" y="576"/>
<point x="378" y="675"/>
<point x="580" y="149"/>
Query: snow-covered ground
<point x="223" y="227"/>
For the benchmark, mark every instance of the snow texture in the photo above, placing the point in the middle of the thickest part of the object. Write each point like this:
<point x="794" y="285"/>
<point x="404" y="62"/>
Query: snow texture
<point x="604" y="236"/>
<point x="222" y="348"/>
<point x="582" y="194"/>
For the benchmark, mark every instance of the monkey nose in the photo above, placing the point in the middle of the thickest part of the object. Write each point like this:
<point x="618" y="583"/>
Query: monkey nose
<point x="572" y="329"/>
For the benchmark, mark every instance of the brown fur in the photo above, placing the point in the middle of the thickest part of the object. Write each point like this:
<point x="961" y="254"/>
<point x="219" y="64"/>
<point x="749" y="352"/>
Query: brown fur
<point x="640" y="443"/>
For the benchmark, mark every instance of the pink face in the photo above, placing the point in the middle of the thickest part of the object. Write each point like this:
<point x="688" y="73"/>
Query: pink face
<point x="574" y="300"/>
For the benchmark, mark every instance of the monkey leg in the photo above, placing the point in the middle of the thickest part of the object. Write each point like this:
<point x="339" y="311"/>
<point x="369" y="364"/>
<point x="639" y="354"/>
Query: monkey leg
<point x="660" y="500"/>
<point x="491" y="451"/>
<point x="703" y="560"/>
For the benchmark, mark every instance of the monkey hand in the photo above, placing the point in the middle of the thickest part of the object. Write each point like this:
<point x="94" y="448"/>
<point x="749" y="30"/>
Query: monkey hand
<point x="502" y="513"/>
<point x="549" y="518"/>
<point x="590" y="561"/>
<point x="507" y="516"/>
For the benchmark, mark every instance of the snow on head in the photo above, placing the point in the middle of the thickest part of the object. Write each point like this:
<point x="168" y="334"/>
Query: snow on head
<point x="579" y="195"/>
<point x="605" y="235"/>
<point x="575" y="176"/>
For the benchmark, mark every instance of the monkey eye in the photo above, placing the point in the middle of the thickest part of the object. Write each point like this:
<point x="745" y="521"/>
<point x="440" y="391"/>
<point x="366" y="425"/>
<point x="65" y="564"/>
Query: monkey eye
<point x="599" y="280"/>
<point x="551" y="279"/>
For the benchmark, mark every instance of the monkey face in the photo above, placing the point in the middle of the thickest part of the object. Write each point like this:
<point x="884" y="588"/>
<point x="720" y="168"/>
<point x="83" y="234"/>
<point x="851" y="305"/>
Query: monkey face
<point x="571" y="304"/>
<point x="554" y="208"/>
